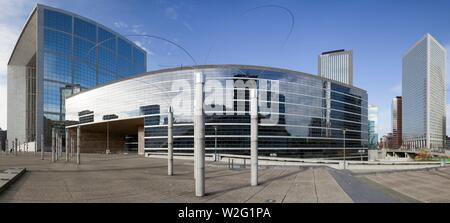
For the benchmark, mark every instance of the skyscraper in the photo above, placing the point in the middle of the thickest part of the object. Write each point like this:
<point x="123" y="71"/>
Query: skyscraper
<point x="373" y="126"/>
<point x="423" y="91"/>
<point x="397" y="122"/>
<point x="336" y="65"/>
<point x="59" y="52"/>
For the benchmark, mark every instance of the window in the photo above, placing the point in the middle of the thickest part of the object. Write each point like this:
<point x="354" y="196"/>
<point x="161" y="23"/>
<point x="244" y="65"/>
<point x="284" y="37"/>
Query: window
<point x="57" y="42"/>
<point x="84" y="75"/>
<point x="107" y="39"/>
<point x="85" y="50"/>
<point x="85" y="29"/>
<point x="58" y="21"/>
<point x="57" y="68"/>
<point x="124" y="48"/>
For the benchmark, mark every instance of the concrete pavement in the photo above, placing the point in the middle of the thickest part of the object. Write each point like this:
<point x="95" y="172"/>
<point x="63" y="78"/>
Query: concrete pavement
<point x="132" y="178"/>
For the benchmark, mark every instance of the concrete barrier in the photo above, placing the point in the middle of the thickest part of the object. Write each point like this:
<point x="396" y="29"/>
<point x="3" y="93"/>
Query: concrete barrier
<point x="336" y="164"/>
<point x="9" y="176"/>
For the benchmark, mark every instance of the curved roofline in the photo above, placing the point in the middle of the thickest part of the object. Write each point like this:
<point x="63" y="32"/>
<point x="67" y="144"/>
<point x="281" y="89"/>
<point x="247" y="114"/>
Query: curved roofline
<point x="212" y="66"/>
<point x="91" y="21"/>
<point x="30" y="16"/>
<point x="35" y="10"/>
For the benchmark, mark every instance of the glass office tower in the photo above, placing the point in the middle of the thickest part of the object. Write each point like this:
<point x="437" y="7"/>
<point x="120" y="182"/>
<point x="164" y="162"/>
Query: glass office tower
<point x="423" y="91"/>
<point x="59" y="53"/>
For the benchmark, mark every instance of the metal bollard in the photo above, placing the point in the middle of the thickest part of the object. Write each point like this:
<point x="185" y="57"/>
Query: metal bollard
<point x="15" y="147"/>
<point x="42" y="146"/>
<point x="53" y="145"/>
<point x="6" y="149"/>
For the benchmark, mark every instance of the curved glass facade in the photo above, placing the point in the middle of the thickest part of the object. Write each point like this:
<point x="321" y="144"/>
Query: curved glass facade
<point x="307" y="113"/>
<point x="81" y="52"/>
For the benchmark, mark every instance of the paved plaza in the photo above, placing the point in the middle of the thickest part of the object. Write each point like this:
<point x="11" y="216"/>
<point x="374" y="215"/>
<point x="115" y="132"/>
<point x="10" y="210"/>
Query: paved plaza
<point x="132" y="178"/>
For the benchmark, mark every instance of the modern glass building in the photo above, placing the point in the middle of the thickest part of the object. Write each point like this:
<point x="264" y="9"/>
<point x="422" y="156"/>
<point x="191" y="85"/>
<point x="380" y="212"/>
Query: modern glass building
<point x="301" y="115"/>
<point x="423" y="91"/>
<point x="373" y="127"/>
<point x="57" y="54"/>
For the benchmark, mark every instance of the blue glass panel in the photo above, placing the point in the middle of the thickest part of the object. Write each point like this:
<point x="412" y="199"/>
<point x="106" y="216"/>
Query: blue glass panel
<point x="57" y="42"/>
<point x="139" y="60"/>
<point x="107" y="59"/>
<point x="124" y="48"/>
<point x="57" y="68"/>
<point x="105" y="77"/>
<point x="106" y="39"/>
<point x="52" y="96"/>
<point x="85" y="29"/>
<point x="85" y="50"/>
<point x="57" y="20"/>
<point x="123" y="67"/>
<point x="84" y="74"/>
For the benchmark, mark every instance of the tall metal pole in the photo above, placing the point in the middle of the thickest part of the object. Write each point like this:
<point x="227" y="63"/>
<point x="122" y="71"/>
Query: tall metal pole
<point x="78" y="144"/>
<point x="72" y="142"/>
<point x="107" y="138"/>
<point x="199" y="136"/>
<point x="67" y="145"/>
<point x="42" y="146"/>
<point x="59" y="145"/>
<point x="7" y="147"/>
<point x="344" y="131"/>
<point x="170" y="142"/>
<point x="254" y="136"/>
<point x="215" y="143"/>
<point x="56" y="145"/>
<point x="53" y="145"/>
<point x="15" y="147"/>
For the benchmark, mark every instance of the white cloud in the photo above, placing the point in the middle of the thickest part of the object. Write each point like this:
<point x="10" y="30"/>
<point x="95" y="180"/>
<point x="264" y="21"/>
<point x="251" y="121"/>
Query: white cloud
<point x="137" y="29"/>
<point x="120" y="25"/>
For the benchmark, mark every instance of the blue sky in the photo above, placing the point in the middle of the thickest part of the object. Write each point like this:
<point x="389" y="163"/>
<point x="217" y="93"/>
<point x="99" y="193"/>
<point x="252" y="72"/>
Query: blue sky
<point x="378" y="31"/>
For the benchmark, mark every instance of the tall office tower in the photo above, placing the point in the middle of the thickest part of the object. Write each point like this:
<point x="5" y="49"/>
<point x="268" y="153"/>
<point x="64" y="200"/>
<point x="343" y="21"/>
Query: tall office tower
<point x="397" y="122"/>
<point x="57" y="54"/>
<point x="423" y="89"/>
<point x="373" y="126"/>
<point x="336" y="65"/>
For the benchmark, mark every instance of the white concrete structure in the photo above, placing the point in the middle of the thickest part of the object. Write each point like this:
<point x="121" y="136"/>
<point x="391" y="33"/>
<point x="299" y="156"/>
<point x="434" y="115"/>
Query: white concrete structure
<point x="423" y="91"/>
<point x="199" y="136"/>
<point x="336" y="65"/>
<point x="254" y="136"/>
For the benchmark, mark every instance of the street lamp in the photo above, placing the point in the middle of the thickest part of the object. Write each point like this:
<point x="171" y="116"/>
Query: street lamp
<point x="344" y="130"/>
<point x="215" y="143"/>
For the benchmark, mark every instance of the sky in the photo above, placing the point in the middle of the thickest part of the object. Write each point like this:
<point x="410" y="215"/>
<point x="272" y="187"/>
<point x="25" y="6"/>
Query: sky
<point x="257" y="32"/>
